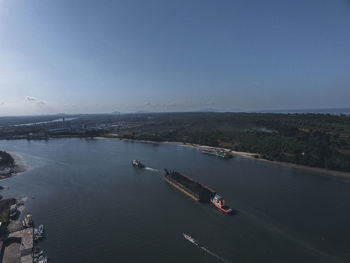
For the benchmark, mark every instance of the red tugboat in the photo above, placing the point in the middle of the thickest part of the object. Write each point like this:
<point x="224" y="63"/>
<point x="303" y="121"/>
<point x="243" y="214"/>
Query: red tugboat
<point x="219" y="202"/>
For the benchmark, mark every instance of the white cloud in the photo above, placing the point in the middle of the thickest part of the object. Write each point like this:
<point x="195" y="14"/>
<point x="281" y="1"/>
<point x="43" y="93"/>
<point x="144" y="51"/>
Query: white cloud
<point x="40" y="103"/>
<point x="31" y="99"/>
<point x="36" y="101"/>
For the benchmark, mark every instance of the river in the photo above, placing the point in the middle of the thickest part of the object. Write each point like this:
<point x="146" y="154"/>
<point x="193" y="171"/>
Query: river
<point x="97" y="208"/>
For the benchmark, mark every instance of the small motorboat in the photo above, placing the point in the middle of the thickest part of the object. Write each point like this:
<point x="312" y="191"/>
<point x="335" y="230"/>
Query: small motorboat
<point x="192" y="240"/>
<point x="39" y="232"/>
<point x="137" y="164"/>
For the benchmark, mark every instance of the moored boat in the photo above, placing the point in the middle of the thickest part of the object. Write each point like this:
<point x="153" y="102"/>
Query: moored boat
<point x="220" y="153"/>
<point x="27" y="221"/>
<point x="39" y="232"/>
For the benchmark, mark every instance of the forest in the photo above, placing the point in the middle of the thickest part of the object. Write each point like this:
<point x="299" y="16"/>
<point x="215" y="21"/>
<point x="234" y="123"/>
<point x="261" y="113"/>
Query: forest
<point x="312" y="139"/>
<point x="6" y="159"/>
<point x="318" y="140"/>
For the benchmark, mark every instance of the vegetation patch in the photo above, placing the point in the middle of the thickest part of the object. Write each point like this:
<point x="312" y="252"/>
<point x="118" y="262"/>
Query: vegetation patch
<point x="317" y="140"/>
<point x="6" y="159"/>
<point x="5" y="212"/>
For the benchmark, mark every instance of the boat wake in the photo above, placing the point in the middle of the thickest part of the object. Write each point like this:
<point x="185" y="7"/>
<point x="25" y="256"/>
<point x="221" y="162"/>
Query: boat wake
<point x="152" y="169"/>
<point x="214" y="255"/>
<point x="199" y="245"/>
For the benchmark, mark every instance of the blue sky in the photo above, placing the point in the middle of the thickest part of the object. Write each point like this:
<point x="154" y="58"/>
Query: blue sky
<point x="83" y="56"/>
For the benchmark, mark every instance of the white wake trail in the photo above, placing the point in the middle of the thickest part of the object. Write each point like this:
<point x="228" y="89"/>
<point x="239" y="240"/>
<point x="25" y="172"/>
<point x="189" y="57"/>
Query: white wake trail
<point x="153" y="169"/>
<point x="214" y="255"/>
<point x="196" y="243"/>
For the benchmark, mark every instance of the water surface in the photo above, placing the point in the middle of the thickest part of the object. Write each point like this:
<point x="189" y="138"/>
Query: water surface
<point x="97" y="208"/>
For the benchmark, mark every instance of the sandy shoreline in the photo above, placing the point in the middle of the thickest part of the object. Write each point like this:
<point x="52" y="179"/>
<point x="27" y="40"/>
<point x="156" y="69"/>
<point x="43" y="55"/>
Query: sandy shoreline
<point x="250" y="156"/>
<point x="19" y="167"/>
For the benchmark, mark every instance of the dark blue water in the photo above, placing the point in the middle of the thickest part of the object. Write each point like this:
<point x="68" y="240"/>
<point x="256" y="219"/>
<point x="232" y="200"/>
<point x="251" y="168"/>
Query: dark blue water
<point x="97" y="208"/>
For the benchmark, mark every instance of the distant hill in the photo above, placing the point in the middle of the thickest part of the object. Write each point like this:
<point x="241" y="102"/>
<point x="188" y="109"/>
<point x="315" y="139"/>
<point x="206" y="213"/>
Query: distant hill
<point x="335" y="111"/>
<point x="220" y="110"/>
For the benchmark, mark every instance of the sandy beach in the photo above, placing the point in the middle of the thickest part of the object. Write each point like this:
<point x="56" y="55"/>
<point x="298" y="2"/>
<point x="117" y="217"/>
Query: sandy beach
<point x="19" y="167"/>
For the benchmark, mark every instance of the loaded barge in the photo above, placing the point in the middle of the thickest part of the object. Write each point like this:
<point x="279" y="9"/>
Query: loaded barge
<point x="195" y="190"/>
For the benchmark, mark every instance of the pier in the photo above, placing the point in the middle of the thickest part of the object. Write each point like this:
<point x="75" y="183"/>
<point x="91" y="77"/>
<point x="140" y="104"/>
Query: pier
<point x="27" y="243"/>
<point x="18" y="241"/>
<point x="18" y="246"/>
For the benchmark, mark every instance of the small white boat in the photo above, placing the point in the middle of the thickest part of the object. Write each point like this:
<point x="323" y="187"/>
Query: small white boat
<point x="192" y="240"/>
<point x="39" y="232"/>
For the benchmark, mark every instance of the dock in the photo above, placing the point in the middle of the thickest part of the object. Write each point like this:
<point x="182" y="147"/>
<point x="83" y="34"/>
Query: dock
<point x="27" y="243"/>
<point x="18" y="247"/>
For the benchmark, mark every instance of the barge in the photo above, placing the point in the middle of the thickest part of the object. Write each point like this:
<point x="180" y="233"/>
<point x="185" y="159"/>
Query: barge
<point x="195" y="190"/>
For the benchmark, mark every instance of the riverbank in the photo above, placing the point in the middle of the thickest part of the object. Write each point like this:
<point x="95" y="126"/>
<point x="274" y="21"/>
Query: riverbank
<point x="17" y="236"/>
<point x="19" y="166"/>
<point x="254" y="156"/>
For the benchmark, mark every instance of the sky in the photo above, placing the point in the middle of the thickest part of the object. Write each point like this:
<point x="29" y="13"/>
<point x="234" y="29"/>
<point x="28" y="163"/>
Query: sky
<point x="84" y="56"/>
